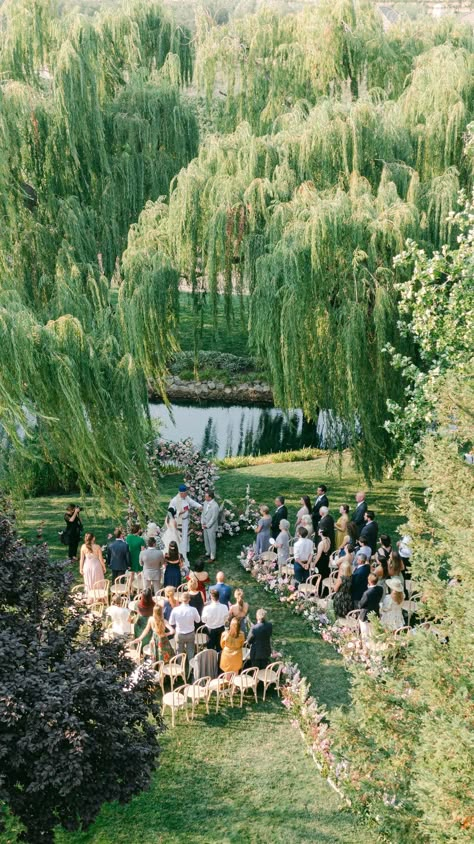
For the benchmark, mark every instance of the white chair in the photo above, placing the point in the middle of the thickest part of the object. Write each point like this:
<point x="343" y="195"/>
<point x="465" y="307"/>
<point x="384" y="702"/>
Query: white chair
<point x="175" y="668"/>
<point x="182" y="588"/>
<point x="121" y="586"/>
<point x="246" y="681"/>
<point x="135" y="654"/>
<point x="100" y="592"/>
<point x="201" y="638"/>
<point x="79" y="592"/>
<point x="268" y="557"/>
<point x="329" y="582"/>
<point x="270" y="676"/>
<point x="174" y="700"/>
<point x="411" y="606"/>
<point x="197" y="692"/>
<point x="287" y="569"/>
<point x="222" y="687"/>
<point x="311" y="587"/>
<point x="351" y="620"/>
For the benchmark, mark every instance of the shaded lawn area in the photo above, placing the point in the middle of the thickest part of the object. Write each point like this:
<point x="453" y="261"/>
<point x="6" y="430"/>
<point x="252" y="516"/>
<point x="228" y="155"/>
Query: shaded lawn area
<point x="242" y="775"/>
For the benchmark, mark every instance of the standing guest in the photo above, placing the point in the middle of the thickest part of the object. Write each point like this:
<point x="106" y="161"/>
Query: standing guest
<point x="341" y="525"/>
<point x="214" y="616"/>
<point x="326" y="523"/>
<point x="91" y="563"/>
<point x="209" y="522"/>
<point x="240" y="610"/>
<point x="383" y="553"/>
<point x="303" y="553"/>
<point x="171" y="533"/>
<point x="195" y="595"/>
<point x="280" y="513"/>
<point x="370" y="531"/>
<point x="72" y="532"/>
<point x="152" y="529"/>
<point x="182" y="504"/>
<point x="170" y="602"/>
<point x="201" y="576"/>
<point x="184" y="618"/>
<point x="282" y="543"/>
<point x="360" y="579"/>
<point x="260" y="641"/>
<point x="353" y="532"/>
<point x="342" y="598"/>
<point x="323" y="552"/>
<point x="320" y="501"/>
<point x="118" y="555"/>
<point x="405" y="551"/>
<point x="305" y="510"/>
<point x="263" y="531"/>
<point x="360" y="510"/>
<point x="364" y="549"/>
<point x="370" y="601"/>
<point x="135" y="544"/>
<point x="152" y="560"/>
<point x="158" y="632"/>
<point x="174" y="563"/>
<point x="232" y="643"/>
<point x="144" y="607"/>
<point x="223" y="589"/>
<point x="396" y="567"/>
<point x="347" y="553"/>
<point x="392" y="615"/>
<point x="307" y="523"/>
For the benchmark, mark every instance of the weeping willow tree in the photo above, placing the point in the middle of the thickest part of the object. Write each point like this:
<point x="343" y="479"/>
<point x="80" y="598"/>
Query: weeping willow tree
<point x="94" y="124"/>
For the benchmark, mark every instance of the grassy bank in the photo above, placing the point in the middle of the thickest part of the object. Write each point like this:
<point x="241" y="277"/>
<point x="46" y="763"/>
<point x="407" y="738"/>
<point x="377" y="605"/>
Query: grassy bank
<point x="241" y="776"/>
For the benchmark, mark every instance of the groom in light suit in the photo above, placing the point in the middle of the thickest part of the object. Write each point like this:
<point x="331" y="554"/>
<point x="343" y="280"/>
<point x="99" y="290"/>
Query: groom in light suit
<point x="182" y="503"/>
<point x="209" y="522"/>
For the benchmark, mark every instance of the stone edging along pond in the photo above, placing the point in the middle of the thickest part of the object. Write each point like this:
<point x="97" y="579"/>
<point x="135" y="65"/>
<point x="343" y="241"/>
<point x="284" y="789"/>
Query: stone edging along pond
<point x="249" y="393"/>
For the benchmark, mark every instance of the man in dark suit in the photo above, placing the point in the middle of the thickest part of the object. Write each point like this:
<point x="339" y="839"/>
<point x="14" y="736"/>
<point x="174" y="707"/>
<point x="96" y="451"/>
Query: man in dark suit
<point x="280" y="513"/>
<point x="327" y="523"/>
<point x="360" y="579"/>
<point x="370" y="601"/>
<point x="259" y="640"/>
<point x="320" y="501"/>
<point x="360" y="510"/>
<point x="118" y="555"/>
<point x="370" y="531"/>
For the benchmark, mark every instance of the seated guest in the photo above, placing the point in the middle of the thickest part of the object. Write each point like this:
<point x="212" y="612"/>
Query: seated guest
<point x="280" y="513"/>
<point x="282" y="543"/>
<point x="214" y="616"/>
<point x="260" y="641"/>
<point x="342" y="598"/>
<point x="360" y="579"/>
<point x="223" y="589"/>
<point x="369" y="533"/>
<point x="232" y="642"/>
<point x="341" y="525"/>
<point x="303" y="552"/>
<point x="195" y="595"/>
<point x="370" y="601"/>
<point x="392" y="615"/>
<point x="120" y="616"/>
<point x="240" y="610"/>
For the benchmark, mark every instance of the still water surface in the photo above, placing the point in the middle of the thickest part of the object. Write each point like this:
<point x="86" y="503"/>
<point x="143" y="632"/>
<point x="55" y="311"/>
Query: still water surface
<point x="230" y="430"/>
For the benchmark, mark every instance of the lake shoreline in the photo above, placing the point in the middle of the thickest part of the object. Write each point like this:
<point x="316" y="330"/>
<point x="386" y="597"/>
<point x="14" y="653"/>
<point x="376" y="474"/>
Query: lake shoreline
<point x="254" y="393"/>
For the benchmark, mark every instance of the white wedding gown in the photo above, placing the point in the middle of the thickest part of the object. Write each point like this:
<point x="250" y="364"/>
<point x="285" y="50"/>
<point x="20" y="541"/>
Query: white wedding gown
<point x="171" y="534"/>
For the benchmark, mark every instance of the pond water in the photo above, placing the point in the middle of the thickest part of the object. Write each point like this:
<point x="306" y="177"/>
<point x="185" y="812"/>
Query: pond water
<point x="229" y="430"/>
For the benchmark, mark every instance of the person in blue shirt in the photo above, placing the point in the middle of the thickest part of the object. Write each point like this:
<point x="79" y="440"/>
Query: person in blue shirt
<point x="223" y="589"/>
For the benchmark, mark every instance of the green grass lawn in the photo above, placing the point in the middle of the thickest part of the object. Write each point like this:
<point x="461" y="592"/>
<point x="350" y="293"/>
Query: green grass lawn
<point x="240" y="776"/>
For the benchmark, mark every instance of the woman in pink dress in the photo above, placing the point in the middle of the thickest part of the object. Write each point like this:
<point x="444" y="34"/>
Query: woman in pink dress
<point x="91" y="562"/>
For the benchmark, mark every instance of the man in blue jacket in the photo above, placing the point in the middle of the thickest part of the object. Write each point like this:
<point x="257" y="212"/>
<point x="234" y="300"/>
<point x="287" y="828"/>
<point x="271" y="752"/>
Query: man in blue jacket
<point x="118" y="555"/>
<point x="360" y="578"/>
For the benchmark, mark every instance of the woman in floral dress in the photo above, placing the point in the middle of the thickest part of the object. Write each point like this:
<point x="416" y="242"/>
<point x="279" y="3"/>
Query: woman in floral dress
<point x="160" y="646"/>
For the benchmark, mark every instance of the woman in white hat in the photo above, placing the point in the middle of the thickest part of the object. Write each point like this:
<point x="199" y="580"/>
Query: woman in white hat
<point x="392" y="615"/>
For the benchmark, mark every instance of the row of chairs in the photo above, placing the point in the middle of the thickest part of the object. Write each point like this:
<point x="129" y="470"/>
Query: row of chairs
<point x="224" y="687"/>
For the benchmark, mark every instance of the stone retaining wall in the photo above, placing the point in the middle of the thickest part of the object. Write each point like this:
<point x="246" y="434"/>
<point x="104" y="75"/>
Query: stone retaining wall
<point x="258" y="392"/>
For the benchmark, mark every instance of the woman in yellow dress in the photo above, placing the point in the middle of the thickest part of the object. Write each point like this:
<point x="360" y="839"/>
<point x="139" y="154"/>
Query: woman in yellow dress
<point x="341" y="525"/>
<point x="232" y="642"/>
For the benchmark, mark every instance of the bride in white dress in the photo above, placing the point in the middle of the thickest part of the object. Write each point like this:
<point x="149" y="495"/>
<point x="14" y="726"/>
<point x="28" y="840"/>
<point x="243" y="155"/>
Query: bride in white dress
<point x="171" y="534"/>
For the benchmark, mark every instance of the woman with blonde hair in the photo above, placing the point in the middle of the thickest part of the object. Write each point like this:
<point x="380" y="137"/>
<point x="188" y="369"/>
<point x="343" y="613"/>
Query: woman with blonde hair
<point x="195" y="594"/>
<point x="232" y="642"/>
<point x="160" y="646"/>
<point x="342" y="599"/>
<point x="341" y="525"/>
<point x="91" y="563"/>
<point x="170" y="602"/>
<point x="391" y="615"/>
<point x="240" y="610"/>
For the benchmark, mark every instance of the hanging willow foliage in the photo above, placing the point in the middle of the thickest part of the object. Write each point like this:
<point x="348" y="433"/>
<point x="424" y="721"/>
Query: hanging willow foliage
<point x="94" y="124"/>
